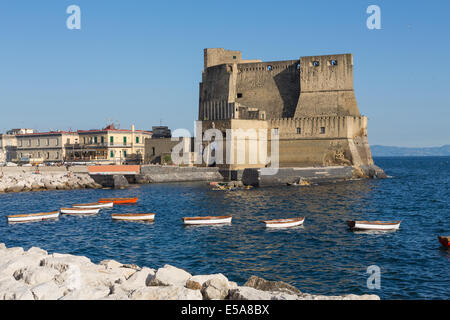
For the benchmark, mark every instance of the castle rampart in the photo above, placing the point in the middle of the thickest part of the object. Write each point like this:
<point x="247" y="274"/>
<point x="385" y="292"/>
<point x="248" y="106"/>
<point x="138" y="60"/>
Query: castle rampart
<point x="309" y="102"/>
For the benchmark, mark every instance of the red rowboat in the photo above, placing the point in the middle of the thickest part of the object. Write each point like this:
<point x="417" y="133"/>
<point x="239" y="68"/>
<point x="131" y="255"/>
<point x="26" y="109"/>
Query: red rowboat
<point x="118" y="200"/>
<point x="444" y="241"/>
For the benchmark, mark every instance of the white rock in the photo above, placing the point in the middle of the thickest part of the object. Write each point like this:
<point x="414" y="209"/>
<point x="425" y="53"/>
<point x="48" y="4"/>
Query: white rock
<point x="139" y="279"/>
<point x="35" y="275"/>
<point x="110" y="264"/>
<point x="170" y="275"/>
<point x="87" y="293"/>
<point x="201" y="279"/>
<point x="47" y="291"/>
<point x="61" y="262"/>
<point x="215" y="289"/>
<point x="248" y="293"/>
<point x="165" y="293"/>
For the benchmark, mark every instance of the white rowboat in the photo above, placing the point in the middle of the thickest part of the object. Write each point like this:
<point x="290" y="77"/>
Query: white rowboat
<point x="284" y="223"/>
<point x="374" y="225"/>
<point x="33" y="217"/>
<point x="95" y="205"/>
<point x="206" y="220"/>
<point x="80" y="211"/>
<point x="134" y="216"/>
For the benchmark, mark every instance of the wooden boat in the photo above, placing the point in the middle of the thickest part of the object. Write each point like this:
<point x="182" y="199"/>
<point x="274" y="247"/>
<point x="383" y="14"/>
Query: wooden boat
<point x="445" y="241"/>
<point x="134" y="216"/>
<point x="94" y="205"/>
<point x="118" y="200"/>
<point x="206" y="220"/>
<point x="374" y="225"/>
<point x="33" y="217"/>
<point x="80" y="211"/>
<point x="284" y="223"/>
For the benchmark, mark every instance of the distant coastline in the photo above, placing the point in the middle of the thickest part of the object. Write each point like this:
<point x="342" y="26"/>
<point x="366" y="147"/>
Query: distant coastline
<point x="391" y="151"/>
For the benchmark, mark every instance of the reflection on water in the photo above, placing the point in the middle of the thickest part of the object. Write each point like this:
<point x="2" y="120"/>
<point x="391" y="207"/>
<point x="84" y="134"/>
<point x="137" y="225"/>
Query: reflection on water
<point x="322" y="256"/>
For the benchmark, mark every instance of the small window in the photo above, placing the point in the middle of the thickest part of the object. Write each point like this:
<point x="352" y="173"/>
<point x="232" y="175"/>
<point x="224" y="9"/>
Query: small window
<point x="137" y="139"/>
<point x="275" y="130"/>
<point x="269" y="68"/>
<point x="124" y="153"/>
<point x="95" y="140"/>
<point x="234" y="57"/>
<point x="299" y="130"/>
<point x="333" y="62"/>
<point x="262" y="116"/>
<point x="111" y="154"/>
<point x="239" y="95"/>
<point x="322" y="130"/>
<point x="111" y="139"/>
<point x="153" y="151"/>
<point x="102" y="139"/>
<point x="125" y="140"/>
<point x="316" y="63"/>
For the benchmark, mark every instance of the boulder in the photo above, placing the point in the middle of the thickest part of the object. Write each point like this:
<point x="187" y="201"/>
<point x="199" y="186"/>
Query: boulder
<point x="87" y="293"/>
<point x="165" y="293"/>
<point x="35" y="275"/>
<point x="248" y="293"/>
<point x="193" y="285"/>
<point x="140" y="278"/>
<point x="201" y="279"/>
<point x="215" y="289"/>
<point x="47" y="291"/>
<point x="265" y="285"/>
<point x="169" y="275"/>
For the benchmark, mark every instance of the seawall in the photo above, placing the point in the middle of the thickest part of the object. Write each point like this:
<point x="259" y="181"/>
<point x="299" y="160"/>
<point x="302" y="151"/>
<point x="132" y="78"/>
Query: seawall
<point x="155" y="173"/>
<point x="37" y="275"/>
<point x="266" y="177"/>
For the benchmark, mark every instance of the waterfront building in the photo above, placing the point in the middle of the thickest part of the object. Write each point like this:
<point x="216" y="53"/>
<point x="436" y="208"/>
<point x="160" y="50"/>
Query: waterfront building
<point x="109" y="145"/>
<point x="39" y="147"/>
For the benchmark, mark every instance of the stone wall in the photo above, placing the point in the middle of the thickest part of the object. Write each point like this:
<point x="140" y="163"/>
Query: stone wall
<point x="152" y="174"/>
<point x="326" y="86"/>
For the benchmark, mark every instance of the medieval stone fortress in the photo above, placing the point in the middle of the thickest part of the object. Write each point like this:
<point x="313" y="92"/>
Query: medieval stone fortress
<point x="309" y="103"/>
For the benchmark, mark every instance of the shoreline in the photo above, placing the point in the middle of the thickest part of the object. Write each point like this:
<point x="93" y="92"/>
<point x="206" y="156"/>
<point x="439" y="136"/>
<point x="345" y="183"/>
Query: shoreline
<point x="36" y="275"/>
<point x="23" y="179"/>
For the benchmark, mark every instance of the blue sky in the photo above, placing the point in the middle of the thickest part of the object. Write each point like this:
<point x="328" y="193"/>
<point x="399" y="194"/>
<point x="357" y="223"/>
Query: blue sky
<point x="140" y="62"/>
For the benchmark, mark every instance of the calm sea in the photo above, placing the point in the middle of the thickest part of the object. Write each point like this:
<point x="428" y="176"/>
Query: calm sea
<point x="322" y="257"/>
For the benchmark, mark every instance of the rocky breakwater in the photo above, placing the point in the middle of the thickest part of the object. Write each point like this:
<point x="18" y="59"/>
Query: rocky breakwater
<point x="36" y="275"/>
<point x="30" y="181"/>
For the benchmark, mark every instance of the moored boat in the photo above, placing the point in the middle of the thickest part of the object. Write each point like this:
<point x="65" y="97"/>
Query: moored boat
<point x="80" y="211"/>
<point x="374" y="225"/>
<point x="94" y="205"/>
<point x="134" y="216"/>
<point x="206" y="220"/>
<point x="284" y="223"/>
<point x="33" y="216"/>
<point x="118" y="200"/>
<point x="445" y="241"/>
